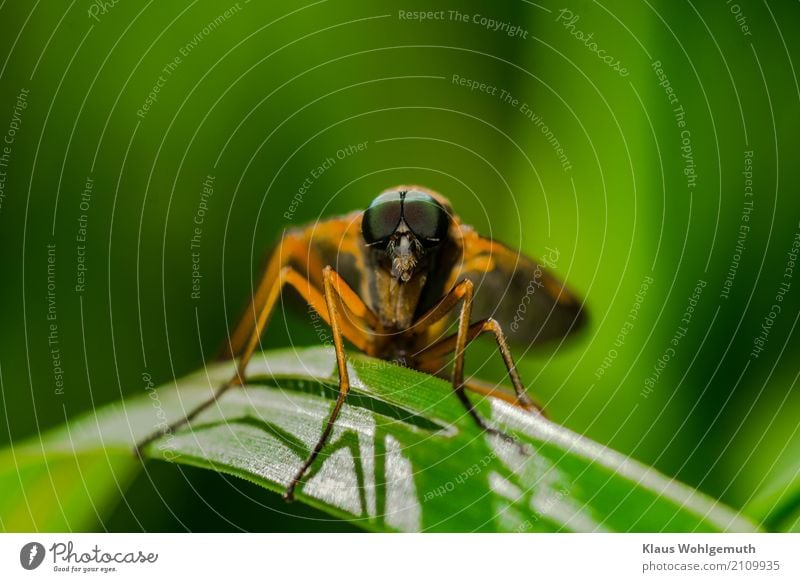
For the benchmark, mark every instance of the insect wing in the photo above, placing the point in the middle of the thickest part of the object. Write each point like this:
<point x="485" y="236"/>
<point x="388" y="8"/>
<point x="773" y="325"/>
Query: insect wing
<point x="530" y="303"/>
<point x="333" y="241"/>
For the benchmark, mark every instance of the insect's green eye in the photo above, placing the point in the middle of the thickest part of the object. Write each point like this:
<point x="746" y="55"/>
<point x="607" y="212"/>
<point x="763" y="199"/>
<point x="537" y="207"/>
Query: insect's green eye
<point x="381" y="219"/>
<point x="425" y="217"/>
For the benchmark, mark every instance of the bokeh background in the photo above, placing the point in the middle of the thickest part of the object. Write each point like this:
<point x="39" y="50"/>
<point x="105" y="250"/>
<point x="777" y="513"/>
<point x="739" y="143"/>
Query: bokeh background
<point x="640" y="175"/>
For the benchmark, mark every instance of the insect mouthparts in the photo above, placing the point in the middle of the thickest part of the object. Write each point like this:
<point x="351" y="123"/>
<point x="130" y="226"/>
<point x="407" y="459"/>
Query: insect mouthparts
<point x="404" y="254"/>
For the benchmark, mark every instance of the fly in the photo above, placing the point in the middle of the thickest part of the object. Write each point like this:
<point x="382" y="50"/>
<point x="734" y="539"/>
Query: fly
<point x="391" y="280"/>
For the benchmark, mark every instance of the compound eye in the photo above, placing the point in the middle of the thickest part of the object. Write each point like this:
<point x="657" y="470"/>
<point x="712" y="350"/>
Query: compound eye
<point x="381" y="218"/>
<point x="425" y="217"/>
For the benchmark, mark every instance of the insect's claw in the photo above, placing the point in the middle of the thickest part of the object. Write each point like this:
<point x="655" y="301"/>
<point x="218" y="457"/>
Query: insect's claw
<point x="139" y="447"/>
<point x="508" y="438"/>
<point x="288" y="495"/>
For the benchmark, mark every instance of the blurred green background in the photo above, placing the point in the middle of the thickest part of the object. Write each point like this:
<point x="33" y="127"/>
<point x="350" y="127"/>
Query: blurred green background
<point x="556" y="150"/>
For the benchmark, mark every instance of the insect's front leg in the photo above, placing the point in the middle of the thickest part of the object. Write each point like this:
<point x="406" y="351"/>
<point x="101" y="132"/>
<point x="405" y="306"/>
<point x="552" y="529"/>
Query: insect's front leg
<point x="292" y="250"/>
<point x="458" y="343"/>
<point x="449" y="344"/>
<point x="286" y="276"/>
<point x="333" y="298"/>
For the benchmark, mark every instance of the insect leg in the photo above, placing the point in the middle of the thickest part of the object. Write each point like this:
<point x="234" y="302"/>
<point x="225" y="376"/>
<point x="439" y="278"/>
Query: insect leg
<point x="445" y="306"/>
<point x="331" y="295"/>
<point x="292" y="249"/>
<point x="287" y="276"/>
<point x="462" y="290"/>
<point x="351" y="301"/>
<point x="489" y="389"/>
<point x="450" y="344"/>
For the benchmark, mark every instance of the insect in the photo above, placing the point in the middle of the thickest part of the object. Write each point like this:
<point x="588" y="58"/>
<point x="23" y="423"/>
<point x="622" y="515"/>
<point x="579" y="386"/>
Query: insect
<point x="392" y="281"/>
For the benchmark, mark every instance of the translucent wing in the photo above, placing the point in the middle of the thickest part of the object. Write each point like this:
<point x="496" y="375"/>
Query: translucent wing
<point x="335" y="242"/>
<point x="529" y="302"/>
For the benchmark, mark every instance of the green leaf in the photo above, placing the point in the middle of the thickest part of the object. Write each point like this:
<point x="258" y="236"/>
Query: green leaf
<point x="404" y="456"/>
<point x="778" y="503"/>
<point x="60" y="490"/>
